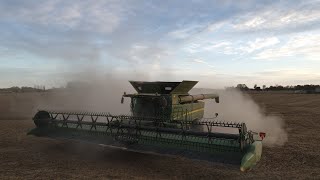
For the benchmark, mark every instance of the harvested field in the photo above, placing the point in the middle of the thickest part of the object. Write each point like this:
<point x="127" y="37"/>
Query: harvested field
<point x="28" y="157"/>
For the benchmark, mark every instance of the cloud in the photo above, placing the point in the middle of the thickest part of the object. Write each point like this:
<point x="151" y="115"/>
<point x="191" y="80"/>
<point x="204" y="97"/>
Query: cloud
<point x="101" y="16"/>
<point x="259" y="43"/>
<point x="199" y="46"/>
<point x="72" y="47"/>
<point x="288" y="76"/>
<point x="199" y="61"/>
<point x="251" y="23"/>
<point x="281" y="16"/>
<point x="282" y="76"/>
<point x="56" y="29"/>
<point x="307" y="45"/>
<point x="228" y="48"/>
<point x="185" y="32"/>
<point x="276" y="72"/>
<point x="207" y="64"/>
<point x="221" y="44"/>
<point x="216" y="26"/>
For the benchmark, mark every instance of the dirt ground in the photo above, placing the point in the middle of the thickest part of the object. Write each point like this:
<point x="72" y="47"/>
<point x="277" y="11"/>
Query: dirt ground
<point x="28" y="157"/>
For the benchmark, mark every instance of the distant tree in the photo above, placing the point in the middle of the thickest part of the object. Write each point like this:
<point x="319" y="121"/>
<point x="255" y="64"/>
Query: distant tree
<point x="264" y="87"/>
<point x="255" y="86"/>
<point x="242" y="87"/>
<point x="14" y="89"/>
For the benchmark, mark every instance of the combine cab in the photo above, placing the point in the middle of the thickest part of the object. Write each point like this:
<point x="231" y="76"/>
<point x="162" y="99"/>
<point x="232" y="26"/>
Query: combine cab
<point x="164" y="119"/>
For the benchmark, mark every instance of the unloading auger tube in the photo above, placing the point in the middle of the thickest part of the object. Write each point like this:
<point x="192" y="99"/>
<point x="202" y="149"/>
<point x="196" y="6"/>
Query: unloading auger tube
<point x="164" y="118"/>
<point x="191" y="98"/>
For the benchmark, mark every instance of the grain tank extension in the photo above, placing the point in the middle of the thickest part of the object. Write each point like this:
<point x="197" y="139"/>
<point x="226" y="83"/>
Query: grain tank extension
<point x="164" y="119"/>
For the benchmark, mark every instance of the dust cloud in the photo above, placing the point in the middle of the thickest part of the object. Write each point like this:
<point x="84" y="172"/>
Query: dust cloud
<point x="236" y="106"/>
<point x="98" y="93"/>
<point x="95" y="90"/>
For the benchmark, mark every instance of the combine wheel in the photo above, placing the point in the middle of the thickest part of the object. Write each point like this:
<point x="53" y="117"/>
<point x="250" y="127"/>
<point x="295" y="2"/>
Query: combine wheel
<point x="41" y="119"/>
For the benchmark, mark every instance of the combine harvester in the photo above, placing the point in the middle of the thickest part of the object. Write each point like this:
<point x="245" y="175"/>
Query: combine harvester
<point x="164" y="119"/>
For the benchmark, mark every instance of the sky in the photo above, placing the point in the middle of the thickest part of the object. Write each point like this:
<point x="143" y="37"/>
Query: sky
<point x="219" y="43"/>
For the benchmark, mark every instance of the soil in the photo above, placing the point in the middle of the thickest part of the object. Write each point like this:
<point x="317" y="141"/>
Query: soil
<point x="28" y="157"/>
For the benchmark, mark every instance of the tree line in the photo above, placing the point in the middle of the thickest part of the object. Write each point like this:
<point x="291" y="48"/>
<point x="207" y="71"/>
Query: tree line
<point x="16" y="89"/>
<point x="307" y="87"/>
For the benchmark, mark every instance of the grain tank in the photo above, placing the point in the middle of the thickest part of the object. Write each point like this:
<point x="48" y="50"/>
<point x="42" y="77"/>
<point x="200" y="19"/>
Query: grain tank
<point x="168" y="100"/>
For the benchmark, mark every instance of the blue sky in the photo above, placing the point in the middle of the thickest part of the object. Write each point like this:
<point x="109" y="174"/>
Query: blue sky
<point x="219" y="43"/>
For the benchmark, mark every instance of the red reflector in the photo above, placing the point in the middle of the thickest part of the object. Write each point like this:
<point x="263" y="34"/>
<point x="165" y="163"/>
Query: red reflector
<point x="262" y="135"/>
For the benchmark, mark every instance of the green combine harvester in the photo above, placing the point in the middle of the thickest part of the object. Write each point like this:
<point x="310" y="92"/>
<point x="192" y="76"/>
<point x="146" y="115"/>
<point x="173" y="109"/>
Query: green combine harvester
<point x="164" y="119"/>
